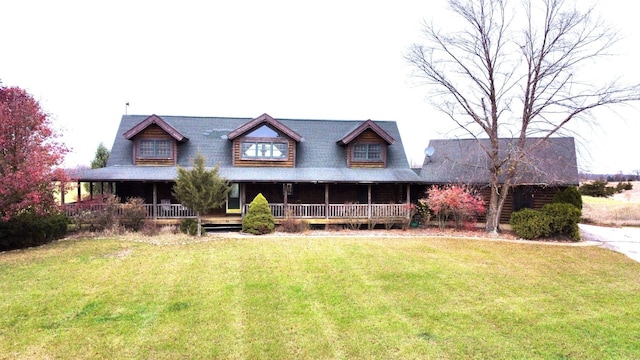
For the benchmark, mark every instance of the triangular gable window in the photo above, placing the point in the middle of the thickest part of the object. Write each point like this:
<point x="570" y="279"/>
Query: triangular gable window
<point x="261" y="121"/>
<point x="264" y="132"/>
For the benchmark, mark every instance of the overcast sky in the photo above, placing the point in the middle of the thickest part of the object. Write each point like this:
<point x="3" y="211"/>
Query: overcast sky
<point x="342" y="60"/>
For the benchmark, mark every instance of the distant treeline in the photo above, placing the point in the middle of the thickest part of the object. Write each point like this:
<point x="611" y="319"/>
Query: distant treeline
<point x="609" y="177"/>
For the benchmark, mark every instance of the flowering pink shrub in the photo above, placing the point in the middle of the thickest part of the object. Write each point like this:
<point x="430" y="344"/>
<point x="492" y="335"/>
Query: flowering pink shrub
<point x="454" y="202"/>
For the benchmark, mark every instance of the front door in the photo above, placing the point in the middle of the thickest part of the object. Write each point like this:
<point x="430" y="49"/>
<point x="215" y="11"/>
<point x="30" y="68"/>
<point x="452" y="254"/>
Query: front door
<point x="233" y="199"/>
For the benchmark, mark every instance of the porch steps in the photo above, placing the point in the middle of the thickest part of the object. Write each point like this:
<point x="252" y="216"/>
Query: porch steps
<point x="210" y="227"/>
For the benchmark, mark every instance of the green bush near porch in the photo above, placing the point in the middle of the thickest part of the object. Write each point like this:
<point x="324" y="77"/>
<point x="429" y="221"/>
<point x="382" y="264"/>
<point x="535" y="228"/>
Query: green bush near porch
<point x="554" y="219"/>
<point x="530" y="224"/>
<point x="259" y="219"/>
<point x="189" y="226"/>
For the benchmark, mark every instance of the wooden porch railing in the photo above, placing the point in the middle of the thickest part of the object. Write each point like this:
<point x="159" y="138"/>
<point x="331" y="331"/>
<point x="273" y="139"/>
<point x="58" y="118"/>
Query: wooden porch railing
<point x="306" y="211"/>
<point x="162" y="211"/>
<point x="337" y="211"/>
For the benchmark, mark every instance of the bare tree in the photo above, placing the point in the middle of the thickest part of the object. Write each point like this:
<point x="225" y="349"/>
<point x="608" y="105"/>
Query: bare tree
<point x="516" y="69"/>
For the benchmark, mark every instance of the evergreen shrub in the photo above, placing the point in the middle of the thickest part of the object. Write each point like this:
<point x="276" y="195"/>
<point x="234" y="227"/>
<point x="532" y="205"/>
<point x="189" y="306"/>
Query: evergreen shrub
<point x="529" y="224"/>
<point x="622" y="186"/>
<point x="597" y="188"/>
<point x="570" y="195"/>
<point x="563" y="219"/>
<point x="29" y="229"/>
<point x="189" y="226"/>
<point x="259" y="219"/>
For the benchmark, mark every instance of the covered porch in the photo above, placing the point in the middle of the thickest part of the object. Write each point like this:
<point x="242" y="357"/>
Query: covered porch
<point x="316" y="203"/>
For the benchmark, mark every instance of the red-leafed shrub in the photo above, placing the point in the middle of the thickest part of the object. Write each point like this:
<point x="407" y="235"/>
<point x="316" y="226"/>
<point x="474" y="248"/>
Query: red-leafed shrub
<point x="454" y="202"/>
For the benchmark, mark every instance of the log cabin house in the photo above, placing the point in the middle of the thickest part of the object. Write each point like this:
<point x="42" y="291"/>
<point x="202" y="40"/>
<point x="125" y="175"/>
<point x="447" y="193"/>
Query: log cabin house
<point x="323" y="171"/>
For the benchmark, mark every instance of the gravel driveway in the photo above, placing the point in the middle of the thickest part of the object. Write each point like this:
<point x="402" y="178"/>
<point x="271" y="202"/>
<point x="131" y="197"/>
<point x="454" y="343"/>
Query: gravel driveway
<point x="625" y="240"/>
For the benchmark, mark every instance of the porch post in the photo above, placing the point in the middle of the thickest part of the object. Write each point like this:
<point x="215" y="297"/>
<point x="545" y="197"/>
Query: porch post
<point x="326" y="201"/>
<point x="243" y="198"/>
<point x="409" y="201"/>
<point x="79" y="192"/>
<point x="155" y="201"/>
<point x="62" y="192"/>
<point x="369" y="201"/>
<point x="286" y="196"/>
<point x="90" y="191"/>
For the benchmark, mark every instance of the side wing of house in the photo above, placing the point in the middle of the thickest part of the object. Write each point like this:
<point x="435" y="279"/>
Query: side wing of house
<point x="549" y="166"/>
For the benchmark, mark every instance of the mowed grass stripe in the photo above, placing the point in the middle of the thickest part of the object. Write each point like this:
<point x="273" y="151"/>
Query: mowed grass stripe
<point x="276" y="297"/>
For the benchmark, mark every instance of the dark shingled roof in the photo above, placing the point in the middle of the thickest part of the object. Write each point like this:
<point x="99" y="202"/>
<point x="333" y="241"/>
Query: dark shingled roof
<point x="319" y="157"/>
<point x="553" y="162"/>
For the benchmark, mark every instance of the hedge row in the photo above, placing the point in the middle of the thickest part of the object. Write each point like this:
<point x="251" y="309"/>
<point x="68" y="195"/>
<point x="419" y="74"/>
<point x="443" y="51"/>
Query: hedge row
<point x="29" y="229"/>
<point x="554" y="219"/>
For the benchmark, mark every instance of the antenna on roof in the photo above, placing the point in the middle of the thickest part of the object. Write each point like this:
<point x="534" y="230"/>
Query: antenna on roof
<point x="429" y="151"/>
<point x="126" y="108"/>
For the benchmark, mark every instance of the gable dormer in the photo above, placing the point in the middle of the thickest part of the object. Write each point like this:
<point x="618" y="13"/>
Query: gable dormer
<point x="155" y="142"/>
<point x="366" y="146"/>
<point x="264" y="141"/>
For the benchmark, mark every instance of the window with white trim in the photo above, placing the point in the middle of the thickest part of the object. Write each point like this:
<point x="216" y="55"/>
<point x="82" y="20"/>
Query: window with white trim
<point x="155" y="149"/>
<point x="264" y="149"/>
<point x="264" y="143"/>
<point x="367" y="152"/>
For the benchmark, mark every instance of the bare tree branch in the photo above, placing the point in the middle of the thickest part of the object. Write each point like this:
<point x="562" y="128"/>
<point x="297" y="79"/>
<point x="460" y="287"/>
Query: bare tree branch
<point x="517" y="70"/>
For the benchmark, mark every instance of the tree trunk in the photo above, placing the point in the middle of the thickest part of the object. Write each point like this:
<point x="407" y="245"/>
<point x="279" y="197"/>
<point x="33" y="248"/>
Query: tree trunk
<point x="493" y="215"/>
<point x="199" y="225"/>
<point x="499" y="194"/>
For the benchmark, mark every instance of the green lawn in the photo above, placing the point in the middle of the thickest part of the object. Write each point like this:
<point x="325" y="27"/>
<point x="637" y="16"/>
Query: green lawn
<point x="318" y="298"/>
